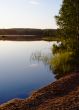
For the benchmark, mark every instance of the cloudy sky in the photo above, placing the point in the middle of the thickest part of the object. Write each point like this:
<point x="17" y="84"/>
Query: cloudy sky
<point x="28" y="13"/>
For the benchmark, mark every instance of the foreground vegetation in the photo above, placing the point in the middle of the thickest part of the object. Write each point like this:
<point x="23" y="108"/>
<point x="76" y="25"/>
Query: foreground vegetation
<point x="66" y="55"/>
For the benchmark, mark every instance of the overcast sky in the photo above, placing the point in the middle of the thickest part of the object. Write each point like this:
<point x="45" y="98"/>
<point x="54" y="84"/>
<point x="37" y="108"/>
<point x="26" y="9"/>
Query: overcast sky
<point x="28" y="13"/>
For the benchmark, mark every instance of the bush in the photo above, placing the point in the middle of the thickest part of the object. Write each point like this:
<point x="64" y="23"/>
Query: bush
<point x="62" y="63"/>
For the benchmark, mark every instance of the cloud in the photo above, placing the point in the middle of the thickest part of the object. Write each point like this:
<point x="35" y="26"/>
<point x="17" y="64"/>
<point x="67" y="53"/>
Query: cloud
<point x="34" y="2"/>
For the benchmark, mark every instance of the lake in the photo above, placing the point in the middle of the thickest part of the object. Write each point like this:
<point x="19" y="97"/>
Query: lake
<point x="19" y="74"/>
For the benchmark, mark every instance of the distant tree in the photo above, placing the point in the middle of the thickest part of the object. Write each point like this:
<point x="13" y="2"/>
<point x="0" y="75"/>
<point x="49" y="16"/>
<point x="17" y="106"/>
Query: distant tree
<point x="49" y="32"/>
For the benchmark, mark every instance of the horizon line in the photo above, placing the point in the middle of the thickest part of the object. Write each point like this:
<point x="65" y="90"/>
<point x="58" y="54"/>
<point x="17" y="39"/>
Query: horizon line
<point x="28" y="28"/>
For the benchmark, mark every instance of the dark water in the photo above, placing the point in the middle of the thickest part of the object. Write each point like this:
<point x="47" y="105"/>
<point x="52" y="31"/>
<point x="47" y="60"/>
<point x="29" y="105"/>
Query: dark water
<point x="19" y="74"/>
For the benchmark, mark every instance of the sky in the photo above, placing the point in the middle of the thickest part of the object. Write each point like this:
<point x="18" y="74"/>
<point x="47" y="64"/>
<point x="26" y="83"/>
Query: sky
<point x="29" y="13"/>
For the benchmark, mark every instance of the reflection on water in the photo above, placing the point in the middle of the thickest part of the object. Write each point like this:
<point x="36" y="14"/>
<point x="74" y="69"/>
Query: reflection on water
<point x="38" y="56"/>
<point x="19" y="74"/>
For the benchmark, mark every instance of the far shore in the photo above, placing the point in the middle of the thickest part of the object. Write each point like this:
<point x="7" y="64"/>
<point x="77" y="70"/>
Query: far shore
<point x="26" y="37"/>
<point x="27" y="34"/>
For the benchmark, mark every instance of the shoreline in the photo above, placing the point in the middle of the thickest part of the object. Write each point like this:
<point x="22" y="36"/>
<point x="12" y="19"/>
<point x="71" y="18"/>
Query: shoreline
<point x="27" y="37"/>
<point x="57" y="95"/>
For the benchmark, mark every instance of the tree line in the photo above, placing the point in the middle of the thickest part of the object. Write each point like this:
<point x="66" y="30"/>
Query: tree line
<point x="23" y="31"/>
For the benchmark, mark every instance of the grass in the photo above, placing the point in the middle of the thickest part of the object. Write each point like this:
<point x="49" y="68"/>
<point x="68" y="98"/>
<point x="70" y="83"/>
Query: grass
<point x="62" y="63"/>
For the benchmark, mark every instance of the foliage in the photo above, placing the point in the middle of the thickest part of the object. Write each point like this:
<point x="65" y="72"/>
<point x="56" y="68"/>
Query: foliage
<point x="62" y="63"/>
<point x="68" y="22"/>
<point x="66" y="55"/>
<point x="58" y="48"/>
<point x="49" y="32"/>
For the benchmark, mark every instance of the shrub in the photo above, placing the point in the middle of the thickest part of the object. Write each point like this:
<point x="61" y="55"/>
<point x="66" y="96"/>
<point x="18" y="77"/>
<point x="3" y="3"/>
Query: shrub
<point x="62" y="63"/>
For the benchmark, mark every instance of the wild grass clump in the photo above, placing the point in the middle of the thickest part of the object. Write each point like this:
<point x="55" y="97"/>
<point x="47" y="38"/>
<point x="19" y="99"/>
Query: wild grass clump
<point x="62" y="63"/>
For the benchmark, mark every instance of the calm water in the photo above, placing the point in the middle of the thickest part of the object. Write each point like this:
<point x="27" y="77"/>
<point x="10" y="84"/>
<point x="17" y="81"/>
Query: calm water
<point x="19" y="74"/>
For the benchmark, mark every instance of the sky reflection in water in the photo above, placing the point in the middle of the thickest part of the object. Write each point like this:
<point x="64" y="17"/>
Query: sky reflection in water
<point x="19" y="74"/>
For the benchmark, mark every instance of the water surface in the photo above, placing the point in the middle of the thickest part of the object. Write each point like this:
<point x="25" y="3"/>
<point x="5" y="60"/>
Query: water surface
<point x="19" y="74"/>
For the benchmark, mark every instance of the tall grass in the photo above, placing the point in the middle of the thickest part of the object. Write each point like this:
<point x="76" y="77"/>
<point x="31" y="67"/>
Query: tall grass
<point x="62" y="63"/>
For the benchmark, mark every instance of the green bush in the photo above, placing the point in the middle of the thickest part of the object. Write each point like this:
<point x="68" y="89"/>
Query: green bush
<point x="62" y="63"/>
